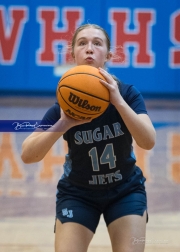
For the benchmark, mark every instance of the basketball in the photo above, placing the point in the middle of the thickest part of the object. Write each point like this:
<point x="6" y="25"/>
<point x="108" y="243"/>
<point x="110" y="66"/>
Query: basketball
<point x="80" y="93"/>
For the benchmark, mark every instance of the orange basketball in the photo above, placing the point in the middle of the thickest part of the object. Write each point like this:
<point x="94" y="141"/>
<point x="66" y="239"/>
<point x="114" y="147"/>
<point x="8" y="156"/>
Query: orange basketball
<point x="80" y="93"/>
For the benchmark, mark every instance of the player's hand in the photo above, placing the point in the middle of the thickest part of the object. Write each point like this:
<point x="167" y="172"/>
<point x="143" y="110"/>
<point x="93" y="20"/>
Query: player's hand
<point x="72" y="122"/>
<point x="112" y="86"/>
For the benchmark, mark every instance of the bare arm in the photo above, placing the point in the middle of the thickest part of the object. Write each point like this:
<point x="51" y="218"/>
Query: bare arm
<point x="36" y="145"/>
<point x="139" y="125"/>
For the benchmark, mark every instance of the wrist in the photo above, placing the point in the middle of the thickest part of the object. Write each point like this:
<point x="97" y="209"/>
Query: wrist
<point x="120" y="103"/>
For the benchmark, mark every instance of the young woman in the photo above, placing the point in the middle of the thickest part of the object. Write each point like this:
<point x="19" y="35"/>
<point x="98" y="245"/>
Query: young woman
<point x="100" y="172"/>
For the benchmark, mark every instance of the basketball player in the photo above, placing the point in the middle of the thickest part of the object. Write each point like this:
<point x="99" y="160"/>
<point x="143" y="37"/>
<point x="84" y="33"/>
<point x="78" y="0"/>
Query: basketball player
<point x="100" y="172"/>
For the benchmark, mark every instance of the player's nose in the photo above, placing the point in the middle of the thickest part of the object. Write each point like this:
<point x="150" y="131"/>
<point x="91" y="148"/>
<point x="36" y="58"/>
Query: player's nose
<point x="89" y="48"/>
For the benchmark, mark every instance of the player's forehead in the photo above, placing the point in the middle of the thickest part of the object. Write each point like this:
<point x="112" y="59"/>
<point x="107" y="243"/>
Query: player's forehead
<point x="91" y="33"/>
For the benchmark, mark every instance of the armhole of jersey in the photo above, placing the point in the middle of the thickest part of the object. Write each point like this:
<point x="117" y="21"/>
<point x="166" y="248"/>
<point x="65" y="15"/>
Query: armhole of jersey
<point x="118" y="82"/>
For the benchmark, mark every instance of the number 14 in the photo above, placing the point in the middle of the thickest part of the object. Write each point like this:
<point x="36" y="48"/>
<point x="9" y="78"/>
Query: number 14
<point x="106" y="157"/>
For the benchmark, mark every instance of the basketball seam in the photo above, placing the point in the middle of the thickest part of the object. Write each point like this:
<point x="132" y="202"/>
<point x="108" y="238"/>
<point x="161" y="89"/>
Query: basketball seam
<point x="84" y="92"/>
<point x="76" y="109"/>
<point x="81" y="73"/>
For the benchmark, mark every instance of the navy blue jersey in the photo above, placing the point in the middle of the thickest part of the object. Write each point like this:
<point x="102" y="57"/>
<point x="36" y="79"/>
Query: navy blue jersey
<point x="100" y="152"/>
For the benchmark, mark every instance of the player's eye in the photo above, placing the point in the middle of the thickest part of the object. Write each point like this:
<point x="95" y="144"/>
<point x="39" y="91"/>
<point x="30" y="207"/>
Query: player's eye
<point x="97" y="43"/>
<point x="82" y="43"/>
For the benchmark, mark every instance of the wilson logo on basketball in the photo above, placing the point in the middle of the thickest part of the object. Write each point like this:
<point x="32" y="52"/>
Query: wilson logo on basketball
<point x="82" y="103"/>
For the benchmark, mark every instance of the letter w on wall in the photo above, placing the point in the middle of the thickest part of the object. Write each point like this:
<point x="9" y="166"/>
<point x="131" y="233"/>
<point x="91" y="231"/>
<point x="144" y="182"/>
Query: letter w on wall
<point x="11" y="30"/>
<point x="139" y="37"/>
<point x="52" y="35"/>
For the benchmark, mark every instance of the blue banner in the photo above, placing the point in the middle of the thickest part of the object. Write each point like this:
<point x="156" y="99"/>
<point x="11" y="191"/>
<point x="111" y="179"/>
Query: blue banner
<point x="34" y="37"/>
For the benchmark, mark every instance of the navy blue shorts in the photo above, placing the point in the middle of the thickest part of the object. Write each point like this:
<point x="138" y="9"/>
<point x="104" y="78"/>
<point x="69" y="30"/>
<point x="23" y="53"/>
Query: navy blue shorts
<point x="85" y="206"/>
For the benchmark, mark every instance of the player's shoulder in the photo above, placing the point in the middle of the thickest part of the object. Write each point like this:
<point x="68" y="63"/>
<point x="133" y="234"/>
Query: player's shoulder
<point x="55" y="107"/>
<point x="53" y="112"/>
<point x="126" y="90"/>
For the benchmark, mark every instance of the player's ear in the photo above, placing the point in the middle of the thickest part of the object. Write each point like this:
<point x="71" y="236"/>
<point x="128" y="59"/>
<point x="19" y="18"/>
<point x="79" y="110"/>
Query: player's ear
<point x="72" y="54"/>
<point x="109" y="56"/>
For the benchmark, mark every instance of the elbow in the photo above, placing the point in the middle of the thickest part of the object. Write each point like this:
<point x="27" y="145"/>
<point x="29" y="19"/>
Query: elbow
<point x="27" y="159"/>
<point x="149" y="143"/>
<point x="147" y="146"/>
<point x="28" y="156"/>
<point x="153" y="140"/>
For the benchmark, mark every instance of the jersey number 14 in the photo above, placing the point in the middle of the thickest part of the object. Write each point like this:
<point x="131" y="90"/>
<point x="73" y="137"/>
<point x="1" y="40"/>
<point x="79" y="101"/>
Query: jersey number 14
<point x="107" y="157"/>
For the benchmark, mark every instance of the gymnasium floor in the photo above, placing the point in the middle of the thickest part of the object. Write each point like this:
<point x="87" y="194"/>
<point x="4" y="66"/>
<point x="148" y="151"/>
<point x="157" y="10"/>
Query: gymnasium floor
<point x="27" y="192"/>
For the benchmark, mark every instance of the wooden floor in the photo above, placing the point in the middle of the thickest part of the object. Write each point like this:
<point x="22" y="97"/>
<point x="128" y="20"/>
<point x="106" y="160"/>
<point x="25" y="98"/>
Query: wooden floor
<point x="36" y="235"/>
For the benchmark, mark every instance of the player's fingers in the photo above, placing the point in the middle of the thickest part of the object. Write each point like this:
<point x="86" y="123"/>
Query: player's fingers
<point x="107" y="76"/>
<point x="105" y="83"/>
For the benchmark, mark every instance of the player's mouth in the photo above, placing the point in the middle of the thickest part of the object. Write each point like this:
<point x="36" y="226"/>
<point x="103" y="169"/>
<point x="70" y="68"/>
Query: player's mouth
<point x="89" y="59"/>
